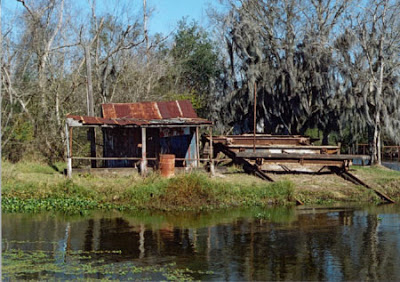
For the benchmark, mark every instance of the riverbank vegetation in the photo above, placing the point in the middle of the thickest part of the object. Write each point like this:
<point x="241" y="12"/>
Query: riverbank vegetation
<point x="35" y="187"/>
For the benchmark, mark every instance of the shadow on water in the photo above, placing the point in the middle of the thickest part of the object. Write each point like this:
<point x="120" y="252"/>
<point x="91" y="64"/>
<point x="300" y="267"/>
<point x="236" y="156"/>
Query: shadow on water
<point x="317" y="243"/>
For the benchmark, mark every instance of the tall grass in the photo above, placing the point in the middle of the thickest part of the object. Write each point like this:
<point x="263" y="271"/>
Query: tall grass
<point x="196" y="191"/>
<point x="34" y="187"/>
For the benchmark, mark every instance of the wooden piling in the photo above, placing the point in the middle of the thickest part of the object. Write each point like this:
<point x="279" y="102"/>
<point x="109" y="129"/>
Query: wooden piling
<point x="212" y="170"/>
<point x="197" y="147"/>
<point x="68" y="135"/>
<point x="143" y="162"/>
<point x="92" y="137"/>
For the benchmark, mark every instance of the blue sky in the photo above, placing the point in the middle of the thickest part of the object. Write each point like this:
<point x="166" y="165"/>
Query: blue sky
<point x="166" y="13"/>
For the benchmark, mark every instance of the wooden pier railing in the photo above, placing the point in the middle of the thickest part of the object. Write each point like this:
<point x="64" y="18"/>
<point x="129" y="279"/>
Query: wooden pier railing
<point x="391" y="153"/>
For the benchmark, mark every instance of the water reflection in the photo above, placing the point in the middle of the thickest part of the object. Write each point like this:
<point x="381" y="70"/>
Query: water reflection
<point x="275" y="244"/>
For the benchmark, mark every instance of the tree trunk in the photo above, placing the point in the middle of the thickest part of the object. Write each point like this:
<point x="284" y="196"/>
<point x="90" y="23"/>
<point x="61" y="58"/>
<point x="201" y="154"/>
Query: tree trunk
<point x="146" y="36"/>
<point x="376" y="143"/>
<point x="1" y="97"/>
<point x="90" y="104"/>
<point x="325" y="138"/>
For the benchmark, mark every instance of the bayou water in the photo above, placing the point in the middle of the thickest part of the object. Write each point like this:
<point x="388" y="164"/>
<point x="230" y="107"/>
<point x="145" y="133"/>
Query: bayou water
<point x="303" y="243"/>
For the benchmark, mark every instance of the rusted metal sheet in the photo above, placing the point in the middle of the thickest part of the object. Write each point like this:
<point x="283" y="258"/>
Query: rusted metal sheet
<point x="187" y="109"/>
<point x="191" y="153"/>
<point x="149" y="110"/>
<point x="152" y="114"/>
<point x="85" y="120"/>
<point x="169" y="110"/>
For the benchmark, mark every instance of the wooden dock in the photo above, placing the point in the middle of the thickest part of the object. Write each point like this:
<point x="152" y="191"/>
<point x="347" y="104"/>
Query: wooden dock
<point x="263" y="154"/>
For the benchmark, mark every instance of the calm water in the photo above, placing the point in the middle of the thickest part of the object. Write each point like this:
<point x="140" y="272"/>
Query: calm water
<point x="337" y="243"/>
<point x="392" y="165"/>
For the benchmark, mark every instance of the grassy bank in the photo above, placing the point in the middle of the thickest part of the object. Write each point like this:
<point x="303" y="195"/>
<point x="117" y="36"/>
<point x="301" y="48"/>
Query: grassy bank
<point x="330" y="188"/>
<point x="33" y="187"/>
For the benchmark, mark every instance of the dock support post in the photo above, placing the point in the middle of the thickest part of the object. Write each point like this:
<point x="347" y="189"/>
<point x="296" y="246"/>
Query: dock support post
<point x="143" y="162"/>
<point x="212" y="170"/>
<point x="92" y="137"/>
<point x="68" y="135"/>
<point x="197" y="147"/>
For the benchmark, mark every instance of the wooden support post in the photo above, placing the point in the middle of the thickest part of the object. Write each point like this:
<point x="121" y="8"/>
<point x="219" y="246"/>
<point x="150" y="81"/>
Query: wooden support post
<point x="212" y="170"/>
<point x="68" y="134"/>
<point x="143" y="162"/>
<point x="70" y="142"/>
<point x="255" y="117"/>
<point x="197" y="148"/>
<point x="398" y="153"/>
<point x="92" y="137"/>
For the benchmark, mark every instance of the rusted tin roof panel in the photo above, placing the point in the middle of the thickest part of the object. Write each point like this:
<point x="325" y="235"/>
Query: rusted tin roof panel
<point x="156" y="114"/>
<point x="92" y="120"/>
<point x="187" y="109"/>
<point x="85" y="120"/>
<point x="150" y="110"/>
<point x="122" y="111"/>
<point x="147" y="110"/>
<point x="108" y="111"/>
<point x="169" y="110"/>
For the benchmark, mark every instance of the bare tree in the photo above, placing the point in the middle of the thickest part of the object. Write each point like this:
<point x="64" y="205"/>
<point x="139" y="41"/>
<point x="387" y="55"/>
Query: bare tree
<point x="44" y="36"/>
<point x="369" y="51"/>
<point x="379" y="39"/>
<point x="1" y="109"/>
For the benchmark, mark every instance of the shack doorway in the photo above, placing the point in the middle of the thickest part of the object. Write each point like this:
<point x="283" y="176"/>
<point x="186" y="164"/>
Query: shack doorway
<point x="127" y="142"/>
<point x="181" y="142"/>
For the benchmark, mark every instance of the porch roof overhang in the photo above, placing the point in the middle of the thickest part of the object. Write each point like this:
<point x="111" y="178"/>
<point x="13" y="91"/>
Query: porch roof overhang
<point x="86" y="121"/>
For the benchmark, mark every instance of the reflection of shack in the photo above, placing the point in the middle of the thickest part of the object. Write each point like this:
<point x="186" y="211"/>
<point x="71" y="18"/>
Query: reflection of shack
<point x="140" y="132"/>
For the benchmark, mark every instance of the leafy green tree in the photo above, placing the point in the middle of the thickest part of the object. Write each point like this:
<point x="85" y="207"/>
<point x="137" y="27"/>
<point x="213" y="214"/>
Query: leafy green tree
<point x="196" y="64"/>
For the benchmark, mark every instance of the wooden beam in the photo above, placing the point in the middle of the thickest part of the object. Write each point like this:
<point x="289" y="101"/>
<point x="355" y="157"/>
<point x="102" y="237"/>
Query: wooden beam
<point x="110" y="158"/>
<point x="69" y="157"/>
<point x="92" y="137"/>
<point x="143" y="163"/>
<point x="352" y="178"/>
<point x="70" y="142"/>
<point x="266" y="155"/>
<point x="212" y="170"/>
<point x="197" y="147"/>
<point x="277" y="146"/>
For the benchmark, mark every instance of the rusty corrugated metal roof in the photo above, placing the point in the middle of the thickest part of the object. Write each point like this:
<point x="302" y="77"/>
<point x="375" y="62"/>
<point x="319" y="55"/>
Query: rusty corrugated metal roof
<point x="145" y="113"/>
<point x="85" y="120"/>
<point x="150" y="110"/>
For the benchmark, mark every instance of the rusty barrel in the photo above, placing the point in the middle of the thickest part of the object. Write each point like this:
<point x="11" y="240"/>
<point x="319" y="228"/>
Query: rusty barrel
<point x="167" y="165"/>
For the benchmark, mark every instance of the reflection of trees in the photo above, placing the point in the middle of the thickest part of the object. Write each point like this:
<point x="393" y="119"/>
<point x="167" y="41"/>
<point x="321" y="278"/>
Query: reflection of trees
<point x="335" y="245"/>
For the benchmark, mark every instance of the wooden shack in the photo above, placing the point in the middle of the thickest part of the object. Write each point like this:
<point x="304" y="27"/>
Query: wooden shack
<point x="139" y="132"/>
